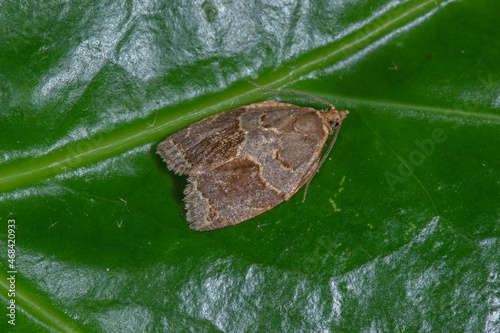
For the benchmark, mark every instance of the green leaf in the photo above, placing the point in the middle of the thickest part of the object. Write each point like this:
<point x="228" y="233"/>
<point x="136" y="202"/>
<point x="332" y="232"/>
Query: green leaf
<point x="400" y="229"/>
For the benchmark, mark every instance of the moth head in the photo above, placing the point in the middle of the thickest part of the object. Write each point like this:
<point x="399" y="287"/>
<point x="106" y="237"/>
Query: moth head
<point x="332" y="118"/>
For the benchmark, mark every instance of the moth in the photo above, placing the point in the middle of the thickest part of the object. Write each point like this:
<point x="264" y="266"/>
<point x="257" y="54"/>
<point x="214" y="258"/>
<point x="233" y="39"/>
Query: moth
<point x="243" y="162"/>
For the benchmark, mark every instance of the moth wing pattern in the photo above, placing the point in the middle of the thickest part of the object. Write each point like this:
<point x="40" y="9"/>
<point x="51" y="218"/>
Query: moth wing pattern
<point x="209" y="141"/>
<point x="244" y="161"/>
<point x="233" y="192"/>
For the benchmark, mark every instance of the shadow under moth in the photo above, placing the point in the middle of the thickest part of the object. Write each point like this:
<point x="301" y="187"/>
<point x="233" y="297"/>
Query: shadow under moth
<point x="243" y="162"/>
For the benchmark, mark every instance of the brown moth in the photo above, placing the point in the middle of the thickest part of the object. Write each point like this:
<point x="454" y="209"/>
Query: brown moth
<point x="245" y="161"/>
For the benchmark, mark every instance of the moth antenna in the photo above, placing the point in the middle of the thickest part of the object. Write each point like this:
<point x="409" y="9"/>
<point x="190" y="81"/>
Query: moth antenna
<point x="323" y="159"/>
<point x="292" y="92"/>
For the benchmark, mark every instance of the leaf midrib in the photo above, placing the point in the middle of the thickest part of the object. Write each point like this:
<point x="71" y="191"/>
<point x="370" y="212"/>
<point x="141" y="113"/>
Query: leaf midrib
<point x="75" y="155"/>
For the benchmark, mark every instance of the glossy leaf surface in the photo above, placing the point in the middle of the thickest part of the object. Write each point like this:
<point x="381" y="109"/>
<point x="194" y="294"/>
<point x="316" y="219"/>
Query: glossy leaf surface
<point x="400" y="229"/>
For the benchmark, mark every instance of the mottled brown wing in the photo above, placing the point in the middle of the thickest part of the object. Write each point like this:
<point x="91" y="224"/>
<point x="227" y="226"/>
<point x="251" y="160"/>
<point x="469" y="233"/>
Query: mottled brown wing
<point x="210" y="141"/>
<point x="231" y="193"/>
<point x="245" y="161"/>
